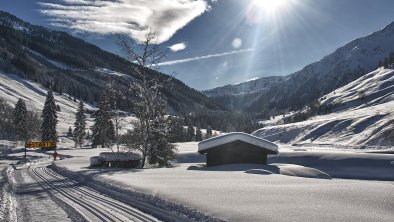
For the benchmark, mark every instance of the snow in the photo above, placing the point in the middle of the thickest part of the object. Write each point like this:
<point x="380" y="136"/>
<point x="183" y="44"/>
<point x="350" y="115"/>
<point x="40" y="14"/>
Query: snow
<point x="358" y="122"/>
<point x="13" y="87"/>
<point x="230" y="137"/>
<point x="27" y="209"/>
<point x="110" y="72"/>
<point x="8" y="204"/>
<point x="374" y="88"/>
<point x="258" y="193"/>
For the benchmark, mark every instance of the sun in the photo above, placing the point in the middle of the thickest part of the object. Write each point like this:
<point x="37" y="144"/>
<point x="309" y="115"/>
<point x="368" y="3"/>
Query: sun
<point x="269" y="6"/>
<point x="258" y="11"/>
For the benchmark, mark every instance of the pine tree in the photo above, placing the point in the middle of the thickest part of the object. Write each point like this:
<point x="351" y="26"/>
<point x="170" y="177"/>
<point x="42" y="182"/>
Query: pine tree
<point x="49" y="117"/>
<point x="175" y="129"/>
<point x="70" y="132"/>
<point x="190" y="132"/>
<point x="198" y="133"/>
<point x="88" y="135"/>
<point x="103" y="132"/>
<point x="20" y="120"/>
<point x="80" y="125"/>
<point x="386" y="63"/>
<point x="161" y="151"/>
<point x="380" y="64"/>
<point x="33" y="125"/>
<point x="209" y="132"/>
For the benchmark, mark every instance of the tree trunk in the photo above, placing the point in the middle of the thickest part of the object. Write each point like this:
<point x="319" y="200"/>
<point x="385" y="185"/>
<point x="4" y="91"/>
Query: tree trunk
<point x="143" y="160"/>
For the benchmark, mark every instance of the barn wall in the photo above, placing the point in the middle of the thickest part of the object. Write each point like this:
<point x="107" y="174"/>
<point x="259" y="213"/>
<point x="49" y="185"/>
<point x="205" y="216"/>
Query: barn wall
<point x="236" y="152"/>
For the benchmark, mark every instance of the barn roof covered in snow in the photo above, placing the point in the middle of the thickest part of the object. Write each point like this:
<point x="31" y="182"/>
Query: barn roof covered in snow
<point x="205" y="145"/>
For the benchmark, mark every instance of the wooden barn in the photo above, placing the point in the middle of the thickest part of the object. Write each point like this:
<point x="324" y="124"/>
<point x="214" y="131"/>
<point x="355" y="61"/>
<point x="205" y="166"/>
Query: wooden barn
<point x="236" y="148"/>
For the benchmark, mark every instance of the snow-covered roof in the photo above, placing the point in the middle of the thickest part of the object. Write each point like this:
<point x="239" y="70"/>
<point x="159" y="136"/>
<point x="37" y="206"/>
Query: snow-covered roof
<point x="230" y="137"/>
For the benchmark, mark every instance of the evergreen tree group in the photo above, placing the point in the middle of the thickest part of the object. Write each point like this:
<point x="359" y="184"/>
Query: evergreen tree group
<point x="176" y="132"/>
<point x="209" y="132"/>
<point x="79" y="125"/>
<point x="190" y="134"/>
<point x="103" y="132"/>
<point x="198" y="133"/>
<point x="16" y="124"/>
<point x="49" y="119"/>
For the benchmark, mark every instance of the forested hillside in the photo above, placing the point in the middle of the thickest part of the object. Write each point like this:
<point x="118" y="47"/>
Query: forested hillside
<point x="67" y="64"/>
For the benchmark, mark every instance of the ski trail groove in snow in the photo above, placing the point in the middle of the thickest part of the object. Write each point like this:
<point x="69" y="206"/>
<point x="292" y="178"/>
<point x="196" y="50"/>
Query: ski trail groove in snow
<point x="91" y="204"/>
<point x="85" y="190"/>
<point x="74" y="202"/>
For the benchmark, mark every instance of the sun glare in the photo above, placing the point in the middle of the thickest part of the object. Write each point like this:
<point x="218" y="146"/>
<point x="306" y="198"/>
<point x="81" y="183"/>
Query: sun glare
<point x="270" y="6"/>
<point x="260" y="10"/>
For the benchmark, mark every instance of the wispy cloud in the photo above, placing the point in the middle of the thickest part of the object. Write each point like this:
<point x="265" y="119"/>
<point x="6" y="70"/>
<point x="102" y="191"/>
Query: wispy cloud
<point x="132" y="17"/>
<point x="178" y="47"/>
<point x="174" y="62"/>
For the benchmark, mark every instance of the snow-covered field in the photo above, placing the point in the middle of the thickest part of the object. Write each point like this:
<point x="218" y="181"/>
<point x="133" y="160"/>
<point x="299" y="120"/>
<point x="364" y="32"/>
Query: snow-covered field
<point x="259" y="193"/>
<point x="362" y="120"/>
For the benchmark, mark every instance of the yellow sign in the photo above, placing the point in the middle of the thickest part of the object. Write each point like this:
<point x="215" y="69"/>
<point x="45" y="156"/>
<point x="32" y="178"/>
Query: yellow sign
<point x="40" y="144"/>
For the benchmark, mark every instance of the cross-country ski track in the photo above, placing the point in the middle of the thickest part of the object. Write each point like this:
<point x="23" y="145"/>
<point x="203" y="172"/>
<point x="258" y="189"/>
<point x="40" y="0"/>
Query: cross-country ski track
<point x="63" y="199"/>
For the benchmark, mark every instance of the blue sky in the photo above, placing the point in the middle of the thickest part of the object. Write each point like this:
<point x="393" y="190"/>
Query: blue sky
<point x="217" y="42"/>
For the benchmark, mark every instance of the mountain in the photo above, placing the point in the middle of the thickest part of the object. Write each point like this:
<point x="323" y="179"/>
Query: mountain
<point x="251" y="86"/>
<point x="72" y="66"/>
<point x="294" y="91"/>
<point x="361" y="116"/>
<point x="239" y="96"/>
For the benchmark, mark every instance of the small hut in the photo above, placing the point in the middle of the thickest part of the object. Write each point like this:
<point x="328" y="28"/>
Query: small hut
<point x="236" y="148"/>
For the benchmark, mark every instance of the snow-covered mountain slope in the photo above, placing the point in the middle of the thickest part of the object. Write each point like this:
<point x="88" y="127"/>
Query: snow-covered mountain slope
<point x="374" y="88"/>
<point x="363" y="115"/>
<point x="13" y="87"/>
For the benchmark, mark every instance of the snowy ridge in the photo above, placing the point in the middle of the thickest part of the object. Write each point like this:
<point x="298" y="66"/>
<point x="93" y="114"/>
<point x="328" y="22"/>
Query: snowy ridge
<point x="226" y="138"/>
<point x="17" y="24"/>
<point x="359" y="119"/>
<point x="250" y="86"/>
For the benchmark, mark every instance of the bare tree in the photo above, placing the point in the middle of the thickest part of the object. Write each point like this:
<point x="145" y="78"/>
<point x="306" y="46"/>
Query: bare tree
<point x="113" y="94"/>
<point x="149" y="103"/>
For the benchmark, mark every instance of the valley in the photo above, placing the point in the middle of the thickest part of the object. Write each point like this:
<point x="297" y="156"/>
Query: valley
<point x="101" y="87"/>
